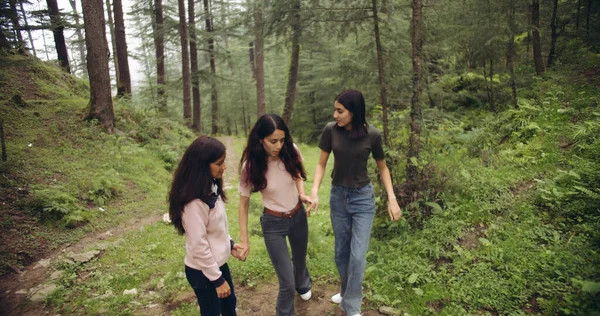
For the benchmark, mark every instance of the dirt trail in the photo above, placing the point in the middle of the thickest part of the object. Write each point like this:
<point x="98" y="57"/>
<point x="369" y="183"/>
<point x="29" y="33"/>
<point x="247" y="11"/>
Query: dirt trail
<point x="16" y="288"/>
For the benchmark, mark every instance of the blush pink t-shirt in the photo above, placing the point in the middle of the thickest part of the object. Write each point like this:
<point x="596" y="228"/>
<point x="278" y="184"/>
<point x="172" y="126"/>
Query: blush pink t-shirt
<point x="281" y="194"/>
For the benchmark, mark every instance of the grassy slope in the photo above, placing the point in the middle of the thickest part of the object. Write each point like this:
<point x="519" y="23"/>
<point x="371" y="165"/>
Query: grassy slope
<point x="61" y="169"/>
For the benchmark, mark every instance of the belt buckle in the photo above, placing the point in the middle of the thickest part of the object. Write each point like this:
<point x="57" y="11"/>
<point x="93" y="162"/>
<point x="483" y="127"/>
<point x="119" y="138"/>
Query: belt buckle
<point x="287" y="214"/>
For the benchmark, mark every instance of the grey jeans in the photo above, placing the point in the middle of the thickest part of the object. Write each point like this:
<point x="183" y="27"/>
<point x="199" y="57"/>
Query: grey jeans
<point x="292" y="274"/>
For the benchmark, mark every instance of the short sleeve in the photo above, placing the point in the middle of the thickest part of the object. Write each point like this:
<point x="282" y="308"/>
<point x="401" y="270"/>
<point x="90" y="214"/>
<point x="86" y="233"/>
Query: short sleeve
<point x="326" y="138"/>
<point x="244" y="188"/>
<point x="377" y="148"/>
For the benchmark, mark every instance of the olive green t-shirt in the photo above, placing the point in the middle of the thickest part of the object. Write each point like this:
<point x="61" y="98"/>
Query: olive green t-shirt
<point x="350" y="155"/>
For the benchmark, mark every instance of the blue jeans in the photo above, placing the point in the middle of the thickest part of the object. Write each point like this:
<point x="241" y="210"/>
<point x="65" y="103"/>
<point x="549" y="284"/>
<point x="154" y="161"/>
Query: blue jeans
<point x="352" y="212"/>
<point x="210" y="304"/>
<point x="292" y="274"/>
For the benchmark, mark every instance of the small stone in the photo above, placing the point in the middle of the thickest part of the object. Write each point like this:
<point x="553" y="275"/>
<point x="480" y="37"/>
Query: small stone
<point x="56" y="274"/>
<point x="105" y="235"/>
<point x="40" y="293"/>
<point x="161" y="284"/>
<point x="386" y="310"/>
<point x="130" y="292"/>
<point x="21" y="291"/>
<point x="42" y="263"/>
<point x="85" y="257"/>
<point x="166" y="218"/>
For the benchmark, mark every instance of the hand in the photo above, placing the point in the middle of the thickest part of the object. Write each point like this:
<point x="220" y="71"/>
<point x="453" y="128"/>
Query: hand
<point x="394" y="210"/>
<point x="314" y="205"/>
<point x="235" y="251"/>
<point x="306" y="200"/>
<point x="242" y="250"/>
<point x="224" y="290"/>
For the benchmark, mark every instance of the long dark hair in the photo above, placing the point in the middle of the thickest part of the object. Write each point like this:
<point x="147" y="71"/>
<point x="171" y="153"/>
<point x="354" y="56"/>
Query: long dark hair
<point x="193" y="179"/>
<point x="255" y="156"/>
<point x="354" y="102"/>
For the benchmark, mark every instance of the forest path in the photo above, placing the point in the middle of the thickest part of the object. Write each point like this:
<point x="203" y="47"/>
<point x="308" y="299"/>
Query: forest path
<point x="23" y="293"/>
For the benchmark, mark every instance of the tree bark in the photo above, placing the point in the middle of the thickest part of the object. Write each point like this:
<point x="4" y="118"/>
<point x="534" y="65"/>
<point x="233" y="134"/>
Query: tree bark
<point x="80" y="39"/>
<point x="251" y="58"/>
<point x="290" y="94"/>
<point x="159" y="44"/>
<point x="196" y="109"/>
<point x="537" y="46"/>
<point x="511" y="52"/>
<point x="492" y="97"/>
<point x="59" y="37"/>
<point x="554" y="35"/>
<point x="587" y="17"/>
<point x="185" y="61"/>
<point x="578" y="13"/>
<point x="101" y="106"/>
<point x="380" y="68"/>
<point x="124" y="85"/>
<point x="213" y="69"/>
<point x="113" y="40"/>
<point x="14" y="17"/>
<point x="259" y="49"/>
<point x="4" y="157"/>
<point x="415" y="119"/>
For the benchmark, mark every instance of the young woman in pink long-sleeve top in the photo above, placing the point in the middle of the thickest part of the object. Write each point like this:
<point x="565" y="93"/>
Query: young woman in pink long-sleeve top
<point x="197" y="209"/>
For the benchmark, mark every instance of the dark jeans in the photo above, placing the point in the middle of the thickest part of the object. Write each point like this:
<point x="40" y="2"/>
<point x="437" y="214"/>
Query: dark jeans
<point x="292" y="274"/>
<point x="210" y="304"/>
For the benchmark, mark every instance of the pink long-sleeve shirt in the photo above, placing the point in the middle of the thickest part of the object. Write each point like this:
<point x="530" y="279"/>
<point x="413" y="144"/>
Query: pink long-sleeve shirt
<point x="207" y="241"/>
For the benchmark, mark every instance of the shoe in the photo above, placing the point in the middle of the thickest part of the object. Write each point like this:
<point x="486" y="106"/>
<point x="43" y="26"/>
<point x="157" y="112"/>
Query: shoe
<point x="306" y="296"/>
<point x="337" y="298"/>
<point x="359" y="314"/>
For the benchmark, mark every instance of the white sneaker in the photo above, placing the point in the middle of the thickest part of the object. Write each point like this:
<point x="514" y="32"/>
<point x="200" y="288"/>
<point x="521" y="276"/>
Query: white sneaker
<point x="306" y="296"/>
<point x="359" y="314"/>
<point x="337" y="298"/>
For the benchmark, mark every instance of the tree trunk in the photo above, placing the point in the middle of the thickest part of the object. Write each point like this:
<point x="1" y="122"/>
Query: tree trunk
<point x="59" y="38"/>
<point x="185" y="61"/>
<point x="124" y="85"/>
<point x="380" y="68"/>
<point x="537" y="46"/>
<point x="213" y="70"/>
<point x="159" y="44"/>
<point x="578" y="13"/>
<point x="415" y="119"/>
<point x="28" y="30"/>
<point x="587" y="17"/>
<point x="260" y="58"/>
<point x="196" y="109"/>
<point x="113" y="40"/>
<point x="80" y="39"/>
<point x="492" y="97"/>
<point x="290" y="93"/>
<point x="4" y="157"/>
<point x="251" y="57"/>
<point x="14" y="17"/>
<point x="554" y="35"/>
<point x="510" y="54"/>
<point x="101" y="106"/>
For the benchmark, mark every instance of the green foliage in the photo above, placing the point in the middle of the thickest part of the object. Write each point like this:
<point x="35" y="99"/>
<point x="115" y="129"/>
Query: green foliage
<point x="102" y="189"/>
<point x="53" y="205"/>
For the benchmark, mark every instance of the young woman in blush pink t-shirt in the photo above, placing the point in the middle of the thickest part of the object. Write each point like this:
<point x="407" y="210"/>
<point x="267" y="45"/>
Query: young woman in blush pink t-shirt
<point x="272" y="165"/>
<point x="197" y="210"/>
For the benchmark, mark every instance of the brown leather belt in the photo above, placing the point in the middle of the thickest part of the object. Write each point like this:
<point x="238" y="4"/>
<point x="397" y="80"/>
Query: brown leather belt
<point x="287" y="214"/>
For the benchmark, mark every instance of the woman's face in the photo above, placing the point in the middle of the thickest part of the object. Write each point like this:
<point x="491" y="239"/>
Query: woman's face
<point x="342" y="116"/>
<point x="218" y="167"/>
<point x="273" y="143"/>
